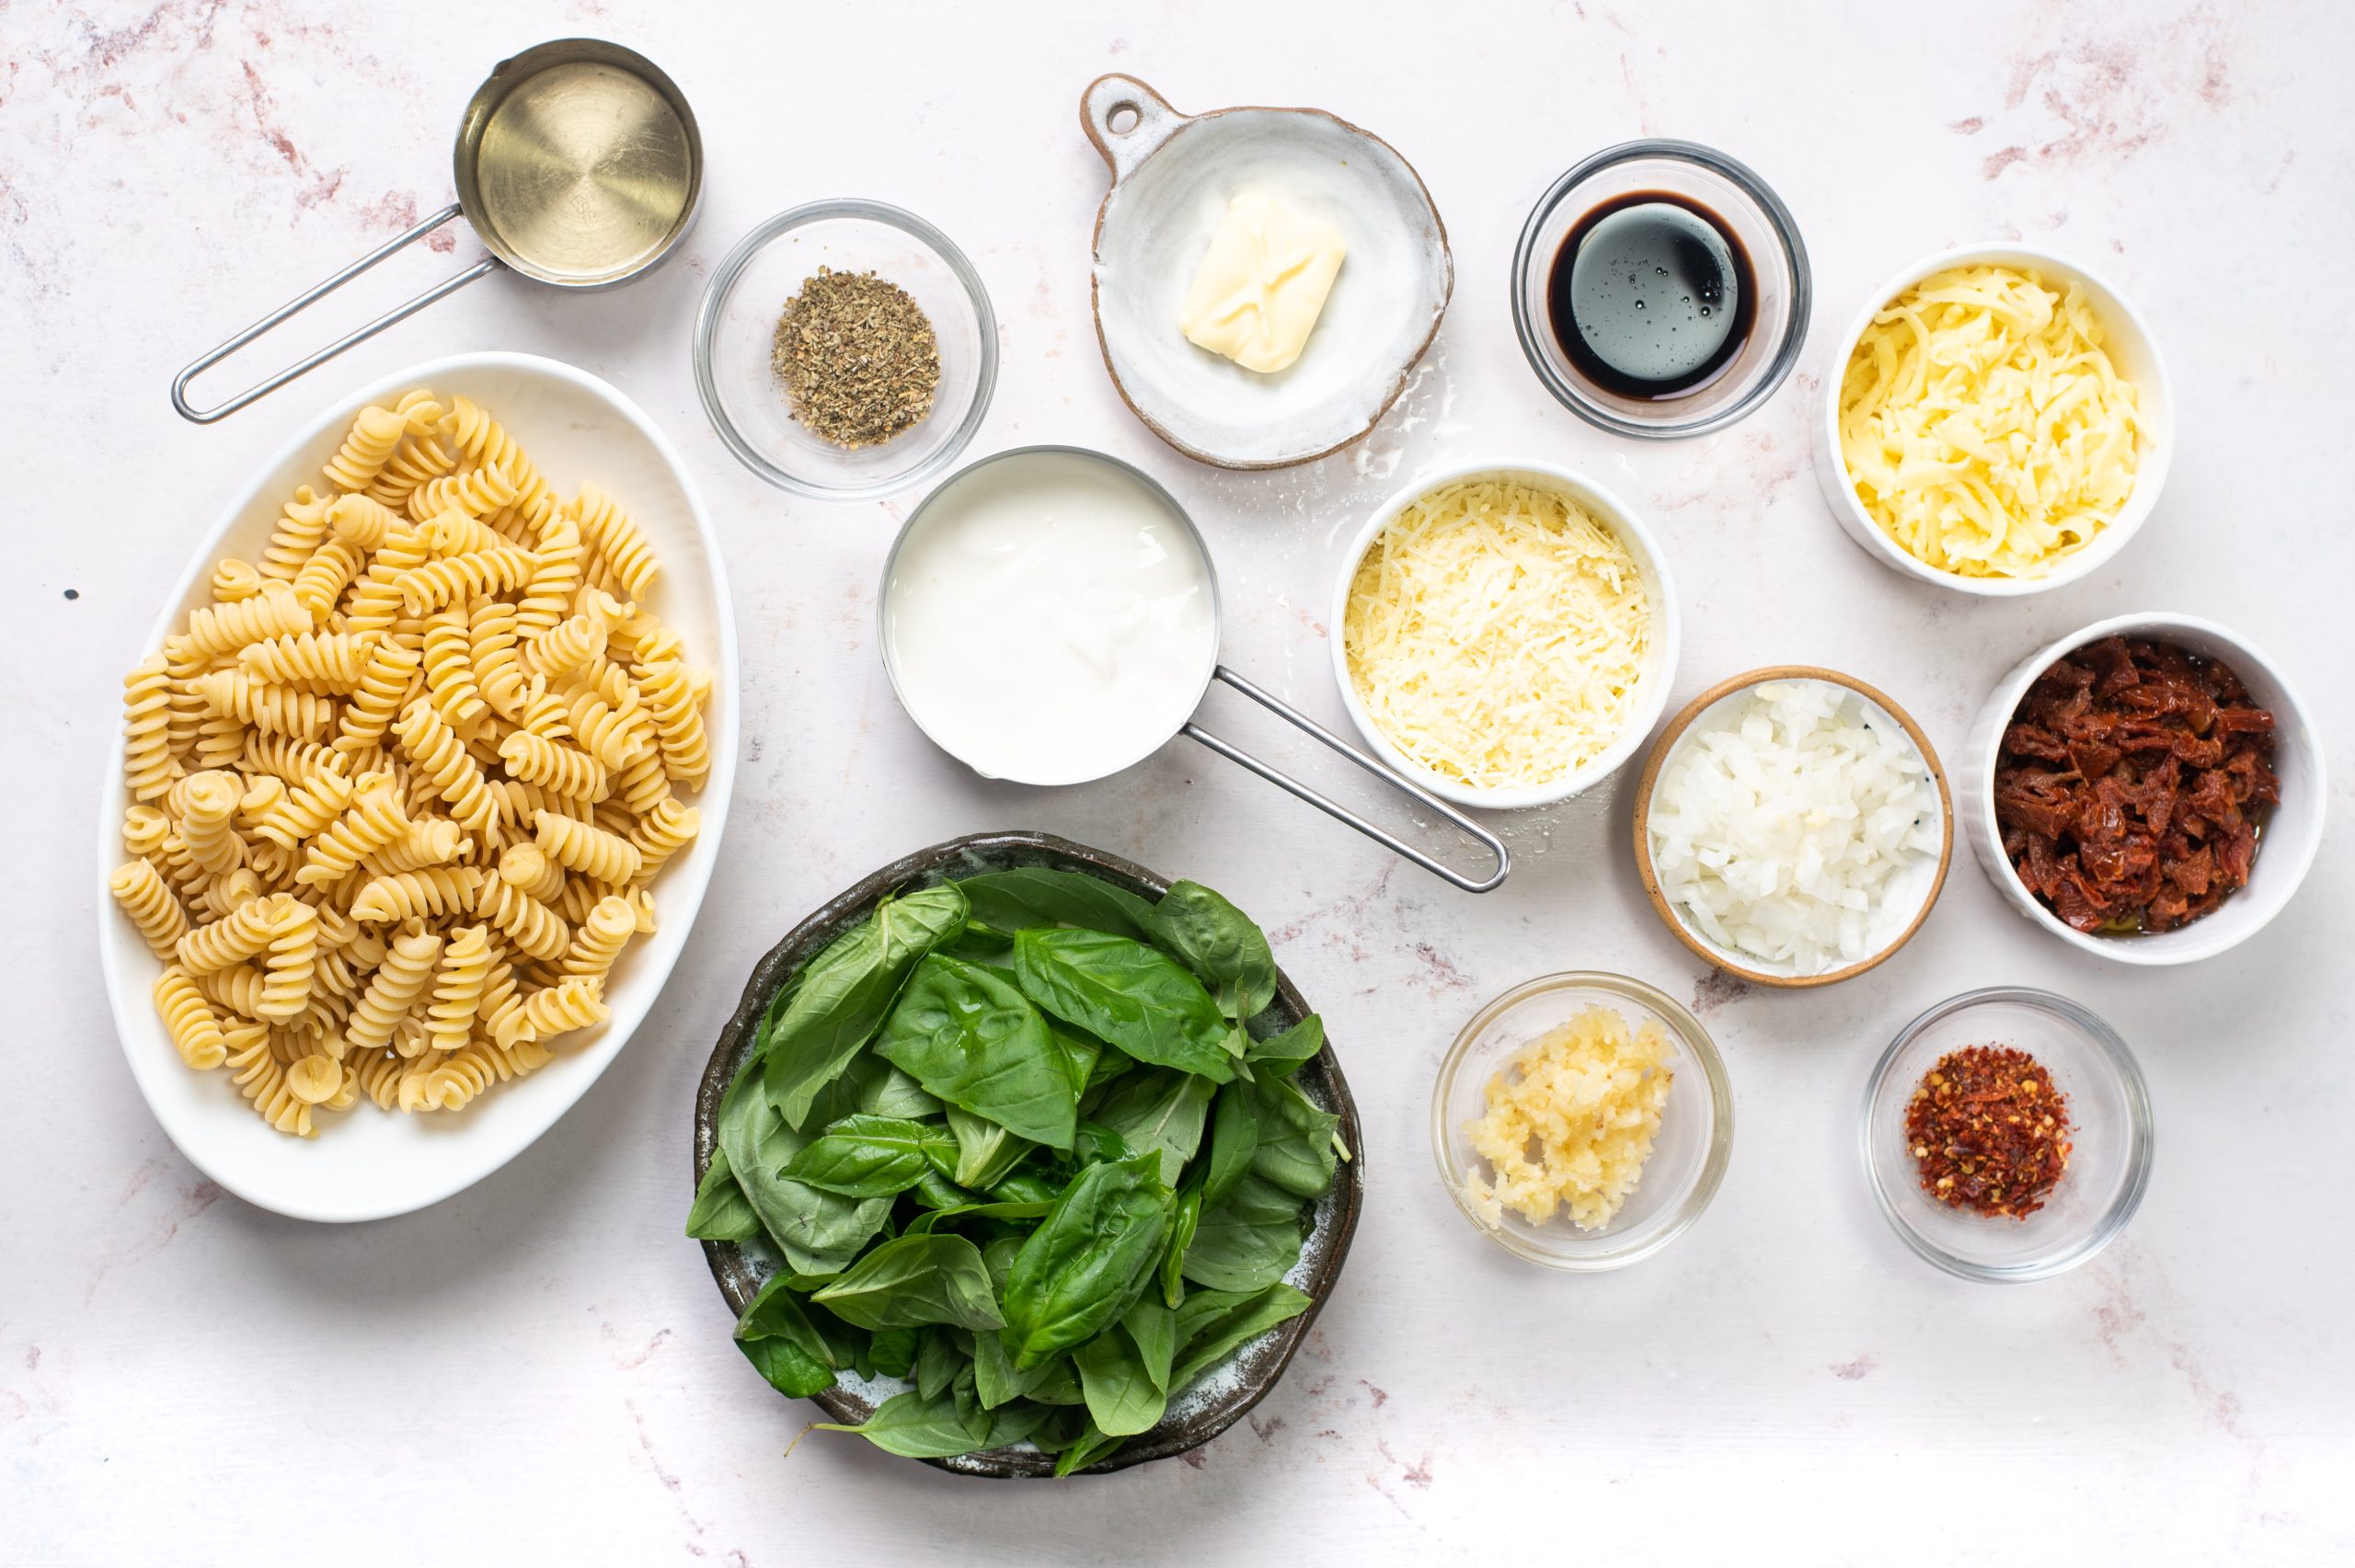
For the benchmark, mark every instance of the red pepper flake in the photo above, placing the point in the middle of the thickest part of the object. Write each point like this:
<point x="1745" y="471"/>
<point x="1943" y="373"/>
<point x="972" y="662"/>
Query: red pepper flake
<point x="1989" y="1130"/>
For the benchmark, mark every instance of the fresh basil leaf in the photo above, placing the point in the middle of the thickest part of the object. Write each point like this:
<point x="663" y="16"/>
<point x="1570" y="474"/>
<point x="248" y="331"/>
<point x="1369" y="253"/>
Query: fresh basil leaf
<point x="721" y="1211"/>
<point x="985" y="1152"/>
<point x="1159" y="1112"/>
<point x="1088" y="1260"/>
<point x="778" y="1337"/>
<point x="916" y="1427"/>
<point x="1080" y="1056"/>
<point x="864" y="1156"/>
<point x="997" y="1380"/>
<point x="1234" y="1141"/>
<point x="817" y="1231"/>
<point x="975" y="1041"/>
<point x="934" y="1190"/>
<point x="919" y="1278"/>
<point x="1026" y="1186"/>
<point x="1095" y="1144"/>
<point x="1248" y="1242"/>
<point x="1223" y="1321"/>
<point x="845" y="990"/>
<point x="1127" y="995"/>
<point x="1185" y="1220"/>
<point x="1295" y="1149"/>
<point x="885" y="1091"/>
<point x="893" y="1351"/>
<point x="1122" y="1398"/>
<point x="938" y="1362"/>
<point x="1085" y="1450"/>
<point x="1009" y="901"/>
<point x="981" y="943"/>
<point x="1152" y="1325"/>
<point x="1218" y="942"/>
<point x="936" y="1218"/>
<point x="1285" y="1054"/>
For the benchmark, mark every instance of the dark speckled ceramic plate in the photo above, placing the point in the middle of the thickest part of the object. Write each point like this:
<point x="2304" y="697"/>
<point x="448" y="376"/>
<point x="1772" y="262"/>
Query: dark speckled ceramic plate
<point x="1222" y="1397"/>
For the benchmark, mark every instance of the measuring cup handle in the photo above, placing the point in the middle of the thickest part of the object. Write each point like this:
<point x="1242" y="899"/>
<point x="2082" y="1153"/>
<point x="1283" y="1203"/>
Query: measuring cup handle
<point x="1104" y="111"/>
<point x="399" y="313"/>
<point x="1335" y="809"/>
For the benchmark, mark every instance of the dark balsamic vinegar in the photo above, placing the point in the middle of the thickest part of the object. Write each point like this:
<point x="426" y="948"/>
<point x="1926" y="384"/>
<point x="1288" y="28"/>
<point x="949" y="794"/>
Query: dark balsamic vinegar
<point x="1651" y="296"/>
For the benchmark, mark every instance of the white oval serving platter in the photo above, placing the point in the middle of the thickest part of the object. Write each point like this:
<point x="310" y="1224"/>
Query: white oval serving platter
<point x="366" y="1164"/>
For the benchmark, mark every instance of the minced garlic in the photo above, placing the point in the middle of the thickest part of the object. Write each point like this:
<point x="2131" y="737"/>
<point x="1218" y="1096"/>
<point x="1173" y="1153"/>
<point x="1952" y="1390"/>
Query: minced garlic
<point x="1570" y="1121"/>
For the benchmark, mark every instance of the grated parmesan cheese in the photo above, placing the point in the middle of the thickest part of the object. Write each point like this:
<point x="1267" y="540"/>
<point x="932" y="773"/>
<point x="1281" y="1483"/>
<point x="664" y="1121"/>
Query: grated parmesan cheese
<point x="1497" y="634"/>
<point x="1984" y="427"/>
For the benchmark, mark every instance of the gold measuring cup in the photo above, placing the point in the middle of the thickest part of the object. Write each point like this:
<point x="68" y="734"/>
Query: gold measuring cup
<point x="577" y="163"/>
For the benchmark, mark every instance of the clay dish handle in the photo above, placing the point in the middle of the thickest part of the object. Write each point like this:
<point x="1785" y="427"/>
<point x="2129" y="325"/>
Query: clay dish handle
<point x="1127" y="121"/>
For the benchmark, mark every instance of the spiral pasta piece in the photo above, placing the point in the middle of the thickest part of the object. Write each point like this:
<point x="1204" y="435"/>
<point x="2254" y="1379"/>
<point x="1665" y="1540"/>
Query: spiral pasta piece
<point x="527" y="866"/>
<point x="261" y="1079"/>
<point x="609" y="533"/>
<point x="289" y="959"/>
<point x="208" y="803"/>
<point x="662" y="834"/>
<point x="374" y="435"/>
<point x="225" y="628"/>
<point x="236" y="991"/>
<point x="530" y="925"/>
<point x="454" y="579"/>
<point x="615" y="736"/>
<point x="305" y="811"/>
<point x="643" y="787"/>
<point x="478" y="491"/>
<point x="590" y="851"/>
<point x="481" y="439"/>
<point x="314" y="1080"/>
<point x="188" y="1019"/>
<point x="458" y="982"/>
<point x="224" y="894"/>
<point x="378" y="694"/>
<point x="294" y="762"/>
<point x="325" y="576"/>
<point x="441" y="757"/>
<point x="466" y="1072"/>
<point x="362" y="521"/>
<point x="392" y="991"/>
<point x="406" y="894"/>
<point x="139" y="887"/>
<point x="373" y="820"/>
<point x="600" y="938"/>
<point x="279" y="710"/>
<point x="548" y="596"/>
<point x="554" y="765"/>
<point x="450" y="672"/>
<point x="430" y="840"/>
<point x="144" y="829"/>
<point x="678" y="722"/>
<point x="572" y="1003"/>
<point x="378" y="1076"/>
<point x="376" y="604"/>
<point x="302" y="524"/>
<point x="148" y="765"/>
<point x="233" y="579"/>
<point x="325" y="662"/>
<point x="578" y="639"/>
<point x="232" y="939"/>
<point x="497" y="666"/>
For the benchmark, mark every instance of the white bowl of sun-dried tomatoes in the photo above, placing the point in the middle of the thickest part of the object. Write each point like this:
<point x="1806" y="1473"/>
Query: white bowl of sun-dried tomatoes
<point x="2149" y="788"/>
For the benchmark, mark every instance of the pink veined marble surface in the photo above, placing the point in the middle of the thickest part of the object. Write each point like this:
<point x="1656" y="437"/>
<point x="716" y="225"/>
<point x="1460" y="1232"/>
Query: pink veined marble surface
<point x="539" y="1369"/>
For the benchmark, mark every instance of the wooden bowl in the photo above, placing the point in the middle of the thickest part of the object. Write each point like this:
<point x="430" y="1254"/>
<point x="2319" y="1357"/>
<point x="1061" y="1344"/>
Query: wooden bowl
<point x="1173" y="176"/>
<point x="1211" y="1408"/>
<point x="1666" y="746"/>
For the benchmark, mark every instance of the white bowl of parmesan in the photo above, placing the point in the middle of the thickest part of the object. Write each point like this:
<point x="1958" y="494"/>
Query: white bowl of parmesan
<point x="1504" y="634"/>
<point x="1998" y="421"/>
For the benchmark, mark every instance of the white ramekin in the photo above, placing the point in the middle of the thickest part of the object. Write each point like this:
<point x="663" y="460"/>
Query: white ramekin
<point x="2286" y="845"/>
<point x="1660" y="668"/>
<point x="2132" y="346"/>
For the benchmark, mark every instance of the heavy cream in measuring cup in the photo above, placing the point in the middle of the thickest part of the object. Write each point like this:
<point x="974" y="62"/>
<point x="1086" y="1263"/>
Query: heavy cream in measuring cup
<point x="1048" y="619"/>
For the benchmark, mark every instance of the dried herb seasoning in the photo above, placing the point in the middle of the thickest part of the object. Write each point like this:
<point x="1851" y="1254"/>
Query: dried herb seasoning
<point x="1989" y="1131"/>
<point x="857" y="356"/>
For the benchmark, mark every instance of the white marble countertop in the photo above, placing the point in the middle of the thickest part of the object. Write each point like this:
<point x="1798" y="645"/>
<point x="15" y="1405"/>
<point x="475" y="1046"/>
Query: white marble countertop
<point x="539" y="1369"/>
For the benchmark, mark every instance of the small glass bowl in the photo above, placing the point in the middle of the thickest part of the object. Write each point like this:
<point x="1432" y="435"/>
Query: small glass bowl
<point x="1758" y="219"/>
<point x="1688" y="1157"/>
<point x="736" y="328"/>
<point x="2110" y="1163"/>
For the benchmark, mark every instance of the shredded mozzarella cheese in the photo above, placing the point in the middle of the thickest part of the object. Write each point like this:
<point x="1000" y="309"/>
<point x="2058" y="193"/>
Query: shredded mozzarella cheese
<point x="1497" y="634"/>
<point x="1983" y="426"/>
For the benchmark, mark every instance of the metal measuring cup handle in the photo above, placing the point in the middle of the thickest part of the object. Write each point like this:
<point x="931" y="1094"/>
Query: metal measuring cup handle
<point x="399" y="312"/>
<point x="1334" y="808"/>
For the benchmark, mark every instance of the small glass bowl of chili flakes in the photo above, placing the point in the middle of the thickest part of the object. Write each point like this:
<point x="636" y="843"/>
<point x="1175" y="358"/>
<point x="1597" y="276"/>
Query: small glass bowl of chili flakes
<point x="2007" y="1134"/>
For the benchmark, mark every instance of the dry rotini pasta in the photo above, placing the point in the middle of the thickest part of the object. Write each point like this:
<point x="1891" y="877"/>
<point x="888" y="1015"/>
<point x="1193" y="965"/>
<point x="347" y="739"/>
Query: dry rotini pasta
<point x="400" y="780"/>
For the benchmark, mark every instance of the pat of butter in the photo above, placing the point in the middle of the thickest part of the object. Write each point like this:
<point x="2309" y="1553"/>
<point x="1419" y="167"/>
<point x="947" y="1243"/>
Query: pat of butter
<point x="1262" y="284"/>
